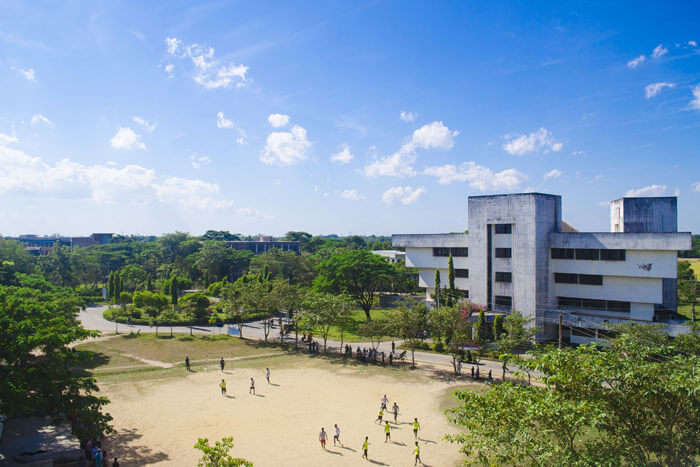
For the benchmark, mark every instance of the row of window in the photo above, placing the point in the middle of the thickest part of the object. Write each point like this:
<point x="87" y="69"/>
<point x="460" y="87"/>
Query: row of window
<point x="504" y="300"/>
<point x="593" y="304"/>
<point x="590" y="254"/>
<point x="445" y="251"/>
<point x="504" y="228"/>
<point x="582" y="279"/>
<point x="464" y="273"/>
<point x="504" y="276"/>
<point x="503" y="252"/>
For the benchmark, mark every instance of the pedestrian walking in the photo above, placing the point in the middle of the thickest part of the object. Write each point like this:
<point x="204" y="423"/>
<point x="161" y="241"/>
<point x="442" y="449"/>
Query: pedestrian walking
<point x="222" y="363"/>
<point x="336" y="435"/>
<point x="267" y="374"/>
<point x="459" y="367"/>
<point x="187" y="362"/>
<point x="385" y="401"/>
<point x="387" y="432"/>
<point x="322" y="437"/>
<point x="393" y="347"/>
<point x="417" y="451"/>
<point x="380" y="416"/>
<point x="223" y="387"/>
<point x="477" y="372"/>
<point x="252" y="387"/>
<point x="472" y="371"/>
<point x="395" y="409"/>
<point x="416" y="425"/>
<point x="115" y="463"/>
<point x="365" y="445"/>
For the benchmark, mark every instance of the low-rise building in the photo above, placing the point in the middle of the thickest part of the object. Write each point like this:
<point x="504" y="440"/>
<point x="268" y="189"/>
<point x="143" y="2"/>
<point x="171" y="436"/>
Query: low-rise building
<point x="392" y="256"/>
<point x="40" y="246"/>
<point x="517" y="255"/>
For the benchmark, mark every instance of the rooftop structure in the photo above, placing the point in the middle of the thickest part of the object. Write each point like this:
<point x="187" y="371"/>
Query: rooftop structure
<point x="40" y="246"/>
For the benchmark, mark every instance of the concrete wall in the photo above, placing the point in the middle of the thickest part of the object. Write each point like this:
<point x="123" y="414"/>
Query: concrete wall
<point x="628" y="241"/>
<point x="430" y="240"/>
<point x="626" y="289"/>
<point x="423" y="258"/>
<point x="644" y="214"/>
<point x="638" y="263"/>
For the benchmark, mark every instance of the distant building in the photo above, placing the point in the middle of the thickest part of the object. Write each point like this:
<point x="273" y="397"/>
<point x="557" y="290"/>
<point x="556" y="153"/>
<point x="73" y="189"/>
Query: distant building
<point x="40" y="246"/>
<point x="265" y="244"/>
<point x="518" y="255"/>
<point x="392" y="256"/>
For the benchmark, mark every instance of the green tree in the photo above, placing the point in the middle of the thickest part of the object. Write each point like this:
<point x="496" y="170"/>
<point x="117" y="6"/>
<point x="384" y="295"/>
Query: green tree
<point x="357" y="273"/>
<point x="436" y="294"/>
<point x="518" y="336"/>
<point x="220" y="235"/>
<point x="408" y="322"/>
<point x="256" y="298"/>
<point x="218" y="455"/>
<point x="217" y="261"/>
<point x="497" y="327"/>
<point x="57" y="266"/>
<point x="11" y="250"/>
<point x="132" y="278"/>
<point x="290" y="298"/>
<point x="322" y="311"/>
<point x="124" y="299"/>
<point x="232" y="304"/>
<point x="375" y="330"/>
<point x="174" y="290"/>
<point x="195" y="303"/>
<point x="110" y="287"/>
<point x="481" y="329"/>
<point x="452" y="323"/>
<point x="153" y="303"/>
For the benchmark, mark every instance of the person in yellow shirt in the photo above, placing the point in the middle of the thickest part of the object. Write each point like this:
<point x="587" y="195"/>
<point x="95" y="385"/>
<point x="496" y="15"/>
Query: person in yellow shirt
<point x="417" y="451"/>
<point x="364" y="448"/>
<point x="387" y="432"/>
<point x="380" y="416"/>
<point x="415" y="427"/>
<point x="223" y="387"/>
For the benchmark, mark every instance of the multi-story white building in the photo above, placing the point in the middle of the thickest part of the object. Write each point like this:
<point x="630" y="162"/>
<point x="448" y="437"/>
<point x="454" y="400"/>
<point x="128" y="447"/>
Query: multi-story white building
<point x="516" y="256"/>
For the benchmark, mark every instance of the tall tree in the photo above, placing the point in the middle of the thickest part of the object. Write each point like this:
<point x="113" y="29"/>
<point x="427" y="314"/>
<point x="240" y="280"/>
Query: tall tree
<point x="451" y="322"/>
<point x="322" y="311"/>
<point x="358" y="273"/>
<point x="436" y="295"/>
<point x="290" y="298"/>
<point x="518" y="336"/>
<point x="408" y="322"/>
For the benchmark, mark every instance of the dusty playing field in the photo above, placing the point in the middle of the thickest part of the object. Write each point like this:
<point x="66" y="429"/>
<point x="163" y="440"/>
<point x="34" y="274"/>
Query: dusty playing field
<point x="159" y="421"/>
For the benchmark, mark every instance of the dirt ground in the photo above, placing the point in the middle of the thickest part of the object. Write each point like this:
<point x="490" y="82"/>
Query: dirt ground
<point x="158" y="421"/>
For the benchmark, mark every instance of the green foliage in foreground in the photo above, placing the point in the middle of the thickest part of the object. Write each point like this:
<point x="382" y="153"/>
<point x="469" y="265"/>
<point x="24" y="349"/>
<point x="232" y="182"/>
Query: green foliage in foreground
<point x="633" y="402"/>
<point x="217" y="455"/>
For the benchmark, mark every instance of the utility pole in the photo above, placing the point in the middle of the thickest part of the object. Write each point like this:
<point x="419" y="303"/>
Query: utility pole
<point x="560" y="330"/>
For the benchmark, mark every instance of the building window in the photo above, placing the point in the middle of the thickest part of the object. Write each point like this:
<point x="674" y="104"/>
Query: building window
<point x="504" y="277"/>
<point x="583" y="332"/>
<point x="590" y="279"/>
<point x="464" y="273"/>
<point x="503" y="252"/>
<point x="598" y="305"/>
<point x="569" y="302"/>
<point x="504" y="300"/>
<point x="466" y="294"/>
<point x="587" y="254"/>
<point x="612" y="255"/>
<point x="563" y="278"/>
<point x="504" y="228"/>
<point x="592" y="304"/>
<point x="562" y="253"/>
<point x="445" y="251"/>
<point x="460" y="251"/>
<point x="618" y="307"/>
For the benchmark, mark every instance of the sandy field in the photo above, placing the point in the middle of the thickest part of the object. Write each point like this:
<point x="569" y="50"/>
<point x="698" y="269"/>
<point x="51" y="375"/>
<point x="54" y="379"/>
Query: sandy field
<point x="158" y="422"/>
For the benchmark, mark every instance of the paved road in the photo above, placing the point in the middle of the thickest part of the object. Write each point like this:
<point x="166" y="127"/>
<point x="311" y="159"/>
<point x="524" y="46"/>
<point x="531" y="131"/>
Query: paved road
<point x="92" y="318"/>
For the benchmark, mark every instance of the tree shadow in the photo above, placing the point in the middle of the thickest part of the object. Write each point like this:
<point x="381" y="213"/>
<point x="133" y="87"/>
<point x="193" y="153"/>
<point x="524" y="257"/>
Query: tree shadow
<point x="89" y="361"/>
<point x="123" y="444"/>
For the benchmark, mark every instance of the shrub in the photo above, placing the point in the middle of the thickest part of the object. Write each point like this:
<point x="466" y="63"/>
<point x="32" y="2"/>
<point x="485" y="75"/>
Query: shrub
<point x="439" y="347"/>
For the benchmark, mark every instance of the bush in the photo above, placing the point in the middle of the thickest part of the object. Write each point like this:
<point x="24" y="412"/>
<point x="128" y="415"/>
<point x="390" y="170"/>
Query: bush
<point x="439" y="347"/>
<point x="215" y="289"/>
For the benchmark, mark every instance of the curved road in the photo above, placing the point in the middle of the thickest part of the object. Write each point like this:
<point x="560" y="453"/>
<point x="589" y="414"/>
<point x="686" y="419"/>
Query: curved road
<point x="92" y="318"/>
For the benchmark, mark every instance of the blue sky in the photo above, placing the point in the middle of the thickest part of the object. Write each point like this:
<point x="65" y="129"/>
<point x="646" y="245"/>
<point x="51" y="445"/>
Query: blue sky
<point x="340" y="117"/>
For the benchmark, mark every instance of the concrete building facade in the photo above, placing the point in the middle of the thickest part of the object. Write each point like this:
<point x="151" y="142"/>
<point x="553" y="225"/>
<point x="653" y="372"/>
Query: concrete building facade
<point x="516" y="257"/>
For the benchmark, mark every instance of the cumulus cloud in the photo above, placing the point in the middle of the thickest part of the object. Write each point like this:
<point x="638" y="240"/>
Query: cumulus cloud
<point x="28" y="73"/>
<point x="695" y="103"/>
<point x="38" y="118"/>
<point x="131" y="184"/>
<point x="634" y="63"/>
<point x="402" y="194"/>
<point x="539" y="141"/>
<point x="169" y="69"/>
<point x="653" y="89"/>
<point x="692" y="43"/>
<point x="126" y="138"/>
<point x="278" y="120"/>
<point x="479" y="177"/>
<point x="223" y="122"/>
<point x="351" y="195"/>
<point x="7" y="139"/>
<point x="408" y="116"/>
<point x="149" y="127"/>
<point x="197" y="161"/>
<point x="286" y="147"/>
<point x="399" y="164"/>
<point x="206" y="70"/>
<point x="344" y="156"/>
<point x="554" y="173"/>
<point x="659" y="51"/>
<point x="651" y="190"/>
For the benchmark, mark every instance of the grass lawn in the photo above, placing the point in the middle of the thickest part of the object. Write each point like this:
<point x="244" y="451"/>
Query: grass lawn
<point x="351" y="333"/>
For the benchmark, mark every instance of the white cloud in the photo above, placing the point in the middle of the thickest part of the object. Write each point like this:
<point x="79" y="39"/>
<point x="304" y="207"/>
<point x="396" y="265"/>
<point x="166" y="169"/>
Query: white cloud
<point x="554" y="173"/>
<point x="402" y="194"/>
<point x="351" y="195"/>
<point x="399" y="164"/>
<point x="170" y="70"/>
<point x="149" y="127"/>
<point x="479" y="177"/>
<point x="126" y="138"/>
<point x="634" y="63"/>
<point x="696" y="187"/>
<point x="541" y="140"/>
<point x="223" y="122"/>
<point x="317" y="188"/>
<point x="653" y="89"/>
<point x="286" y="147"/>
<point x="695" y="103"/>
<point x="278" y="120"/>
<point x="7" y="139"/>
<point x="28" y="74"/>
<point x="651" y="190"/>
<point x="206" y="70"/>
<point x="131" y="184"/>
<point x="344" y="156"/>
<point x="692" y="43"/>
<point x="38" y="118"/>
<point x="659" y="51"/>
<point x="408" y="116"/>
<point x="578" y="153"/>
<point x="197" y="161"/>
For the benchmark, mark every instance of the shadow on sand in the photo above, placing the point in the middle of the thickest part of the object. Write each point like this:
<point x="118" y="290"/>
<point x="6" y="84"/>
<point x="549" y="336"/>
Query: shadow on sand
<point x="124" y="445"/>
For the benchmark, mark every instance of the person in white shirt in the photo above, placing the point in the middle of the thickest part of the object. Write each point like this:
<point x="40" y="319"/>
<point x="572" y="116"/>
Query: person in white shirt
<point x="322" y="437"/>
<point x="336" y="435"/>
